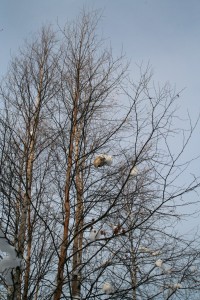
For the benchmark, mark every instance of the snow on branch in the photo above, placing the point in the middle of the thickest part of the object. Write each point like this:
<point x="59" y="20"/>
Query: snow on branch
<point x="159" y="263"/>
<point x="107" y="288"/>
<point x="10" y="261"/>
<point x="134" y="171"/>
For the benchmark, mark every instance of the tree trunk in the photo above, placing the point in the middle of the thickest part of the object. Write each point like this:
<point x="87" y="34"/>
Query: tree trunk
<point x="78" y="233"/>
<point x="64" y="245"/>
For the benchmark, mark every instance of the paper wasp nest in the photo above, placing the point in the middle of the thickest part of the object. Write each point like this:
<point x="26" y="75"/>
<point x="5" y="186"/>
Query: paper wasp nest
<point x="102" y="160"/>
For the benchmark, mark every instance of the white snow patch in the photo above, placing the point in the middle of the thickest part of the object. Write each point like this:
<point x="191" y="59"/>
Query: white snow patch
<point x="159" y="263"/>
<point x="107" y="288"/>
<point x="134" y="171"/>
<point x="94" y="235"/>
<point x="10" y="261"/>
<point x="178" y="285"/>
<point x="144" y="249"/>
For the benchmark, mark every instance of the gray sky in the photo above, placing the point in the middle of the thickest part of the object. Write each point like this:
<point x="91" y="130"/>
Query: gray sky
<point x="165" y="33"/>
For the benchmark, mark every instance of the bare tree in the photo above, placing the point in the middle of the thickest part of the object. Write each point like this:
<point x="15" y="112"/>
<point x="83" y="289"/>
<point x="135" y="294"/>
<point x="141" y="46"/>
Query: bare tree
<point x="90" y="184"/>
<point x="30" y="85"/>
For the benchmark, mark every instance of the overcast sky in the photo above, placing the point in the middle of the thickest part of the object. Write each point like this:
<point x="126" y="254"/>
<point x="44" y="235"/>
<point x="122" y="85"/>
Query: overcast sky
<point x="165" y="33"/>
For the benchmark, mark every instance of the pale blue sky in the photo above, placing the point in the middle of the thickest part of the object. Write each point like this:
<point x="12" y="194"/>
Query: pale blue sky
<point x="164" y="32"/>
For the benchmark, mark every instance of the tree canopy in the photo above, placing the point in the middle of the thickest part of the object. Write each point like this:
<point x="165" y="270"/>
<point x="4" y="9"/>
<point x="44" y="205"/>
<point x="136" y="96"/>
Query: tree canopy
<point x="90" y="181"/>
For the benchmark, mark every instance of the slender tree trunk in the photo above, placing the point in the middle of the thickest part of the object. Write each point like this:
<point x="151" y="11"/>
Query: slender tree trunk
<point x="26" y="221"/>
<point x="29" y="170"/>
<point x="78" y="233"/>
<point x="17" y="280"/>
<point x="64" y="245"/>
